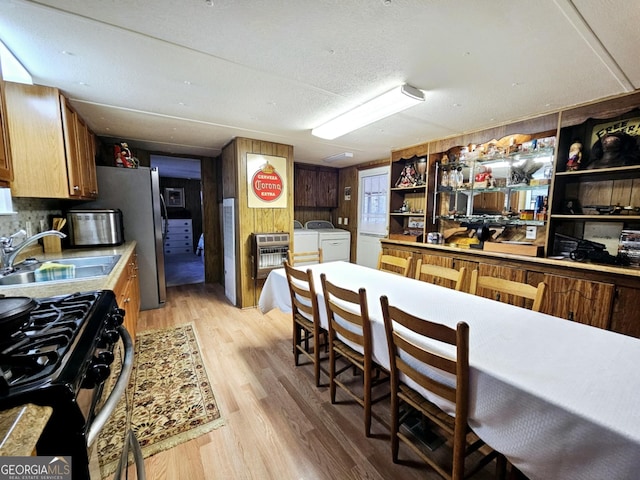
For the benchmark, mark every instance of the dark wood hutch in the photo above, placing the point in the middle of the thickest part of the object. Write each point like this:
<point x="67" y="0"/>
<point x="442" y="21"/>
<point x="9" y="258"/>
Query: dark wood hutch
<point x="515" y="180"/>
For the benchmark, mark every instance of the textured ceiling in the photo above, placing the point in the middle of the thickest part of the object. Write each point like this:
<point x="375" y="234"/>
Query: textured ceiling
<point x="186" y="77"/>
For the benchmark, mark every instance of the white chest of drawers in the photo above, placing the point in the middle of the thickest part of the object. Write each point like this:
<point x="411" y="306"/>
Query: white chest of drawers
<point x="179" y="237"/>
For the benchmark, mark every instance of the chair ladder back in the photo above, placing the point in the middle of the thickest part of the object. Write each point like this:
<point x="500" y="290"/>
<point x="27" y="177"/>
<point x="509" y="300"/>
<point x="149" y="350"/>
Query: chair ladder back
<point x="509" y="287"/>
<point x="439" y="271"/>
<point x="402" y="264"/>
<point x="435" y="331"/>
<point x="336" y="299"/>
<point x="304" y="257"/>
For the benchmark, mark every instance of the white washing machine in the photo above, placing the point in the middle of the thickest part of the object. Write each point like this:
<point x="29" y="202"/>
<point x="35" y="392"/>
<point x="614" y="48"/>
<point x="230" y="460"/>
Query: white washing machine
<point x="334" y="242"/>
<point x="304" y="240"/>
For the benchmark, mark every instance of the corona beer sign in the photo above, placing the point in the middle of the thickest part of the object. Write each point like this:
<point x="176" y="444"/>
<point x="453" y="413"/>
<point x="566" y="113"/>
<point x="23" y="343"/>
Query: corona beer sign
<point x="267" y="181"/>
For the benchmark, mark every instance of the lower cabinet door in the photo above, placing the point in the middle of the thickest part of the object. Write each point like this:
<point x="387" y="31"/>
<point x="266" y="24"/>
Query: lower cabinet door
<point x="578" y="300"/>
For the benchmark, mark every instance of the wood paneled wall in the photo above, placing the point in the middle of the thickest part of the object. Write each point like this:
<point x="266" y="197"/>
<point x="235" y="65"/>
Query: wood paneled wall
<point x="211" y="173"/>
<point x="253" y="220"/>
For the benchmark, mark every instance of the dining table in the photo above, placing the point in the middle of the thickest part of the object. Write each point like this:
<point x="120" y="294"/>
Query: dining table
<point x="560" y="399"/>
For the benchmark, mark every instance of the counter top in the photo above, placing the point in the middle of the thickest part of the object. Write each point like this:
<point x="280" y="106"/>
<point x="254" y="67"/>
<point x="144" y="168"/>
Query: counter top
<point x="61" y="287"/>
<point x="565" y="263"/>
<point x="20" y="429"/>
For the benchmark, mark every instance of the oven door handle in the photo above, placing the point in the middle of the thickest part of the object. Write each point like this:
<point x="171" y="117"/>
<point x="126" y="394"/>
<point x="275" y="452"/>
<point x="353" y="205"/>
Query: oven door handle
<point x="118" y="390"/>
<point x="131" y="442"/>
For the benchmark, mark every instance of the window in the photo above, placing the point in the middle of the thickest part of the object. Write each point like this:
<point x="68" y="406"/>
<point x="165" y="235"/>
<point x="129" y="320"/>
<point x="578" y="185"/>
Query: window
<point x="374" y="202"/>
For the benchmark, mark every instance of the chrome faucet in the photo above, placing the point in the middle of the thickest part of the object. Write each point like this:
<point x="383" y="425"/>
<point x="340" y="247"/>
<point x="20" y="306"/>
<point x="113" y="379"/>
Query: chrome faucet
<point x="8" y="252"/>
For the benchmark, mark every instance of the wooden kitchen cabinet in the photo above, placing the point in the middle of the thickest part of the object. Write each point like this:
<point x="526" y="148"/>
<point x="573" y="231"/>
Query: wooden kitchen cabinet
<point x="315" y="186"/>
<point x="6" y="172"/>
<point x="579" y="300"/>
<point x="87" y="154"/>
<point x="595" y="297"/>
<point x="46" y="135"/>
<point x="127" y="292"/>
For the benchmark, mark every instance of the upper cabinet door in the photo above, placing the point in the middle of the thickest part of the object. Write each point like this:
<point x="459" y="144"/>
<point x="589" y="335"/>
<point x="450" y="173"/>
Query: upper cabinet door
<point x="47" y="135"/>
<point x="73" y="138"/>
<point x="304" y="187"/>
<point x="6" y="172"/>
<point x="37" y="142"/>
<point x="327" y="182"/>
<point x="315" y="187"/>
<point x="86" y="158"/>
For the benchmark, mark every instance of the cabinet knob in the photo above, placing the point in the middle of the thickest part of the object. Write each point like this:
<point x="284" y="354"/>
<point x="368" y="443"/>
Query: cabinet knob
<point x="76" y="188"/>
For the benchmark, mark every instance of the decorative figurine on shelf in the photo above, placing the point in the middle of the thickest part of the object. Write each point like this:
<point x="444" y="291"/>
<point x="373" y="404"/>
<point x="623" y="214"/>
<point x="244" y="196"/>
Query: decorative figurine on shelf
<point x="421" y="167"/>
<point x="575" y="156"/>
<point x="123" y="157"/>
<point x="481" y="179"/>
<point x="407" y="176"/>
<point x="405" y="207"/>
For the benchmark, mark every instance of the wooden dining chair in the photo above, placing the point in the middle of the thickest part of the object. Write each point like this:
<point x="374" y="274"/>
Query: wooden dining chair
<point x="449" y="380"/>
<point x="499" y="288"/>
<point x="438" y="273"/>
<point x="307" y="332"/>
<point x="350" y="340"/>
<point x="393" y="264"/>
<point x="304" y="258"/>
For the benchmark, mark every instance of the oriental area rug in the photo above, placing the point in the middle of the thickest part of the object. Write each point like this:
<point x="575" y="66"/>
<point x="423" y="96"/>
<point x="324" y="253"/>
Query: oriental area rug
<point x="169" y="394"/>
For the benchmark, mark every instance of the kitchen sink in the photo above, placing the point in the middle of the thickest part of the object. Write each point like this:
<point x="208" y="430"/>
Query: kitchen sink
<point x="85" y="267"/>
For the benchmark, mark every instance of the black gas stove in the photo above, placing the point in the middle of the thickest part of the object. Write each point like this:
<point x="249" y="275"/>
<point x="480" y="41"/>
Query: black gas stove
<point x="60" y="357"/>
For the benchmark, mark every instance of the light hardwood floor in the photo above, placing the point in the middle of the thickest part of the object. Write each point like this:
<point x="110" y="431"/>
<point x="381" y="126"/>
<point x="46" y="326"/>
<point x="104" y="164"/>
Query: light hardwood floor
<point x="278" y="425"/>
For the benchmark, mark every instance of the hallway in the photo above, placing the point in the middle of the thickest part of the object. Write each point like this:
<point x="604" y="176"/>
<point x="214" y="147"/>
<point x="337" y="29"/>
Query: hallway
<point x="183" y="269"/>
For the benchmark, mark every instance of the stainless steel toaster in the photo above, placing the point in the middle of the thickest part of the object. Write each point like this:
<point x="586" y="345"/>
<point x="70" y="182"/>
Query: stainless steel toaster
<point x="95" y="227"/>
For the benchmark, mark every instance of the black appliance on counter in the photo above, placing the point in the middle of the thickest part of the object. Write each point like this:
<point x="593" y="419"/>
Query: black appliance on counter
<point x="58" y="352"/>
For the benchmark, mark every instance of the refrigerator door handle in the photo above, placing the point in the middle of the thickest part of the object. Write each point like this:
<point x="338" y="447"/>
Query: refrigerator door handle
<point x="165" y="218"/>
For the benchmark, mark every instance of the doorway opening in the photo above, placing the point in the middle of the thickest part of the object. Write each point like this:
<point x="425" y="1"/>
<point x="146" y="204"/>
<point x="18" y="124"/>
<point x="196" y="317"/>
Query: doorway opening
<point x="181" y="187"/>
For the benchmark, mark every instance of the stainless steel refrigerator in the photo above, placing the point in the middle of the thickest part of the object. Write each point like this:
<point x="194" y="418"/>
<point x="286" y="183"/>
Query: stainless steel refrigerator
<point x="136" y="191"/>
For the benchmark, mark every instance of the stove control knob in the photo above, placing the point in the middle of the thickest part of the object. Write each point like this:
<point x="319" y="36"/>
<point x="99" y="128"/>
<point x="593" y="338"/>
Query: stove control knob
<point x="116" y="318"/>
<point x="105" y="356"/>
<point x="97" y="373"/>
<point x="110" y="336"/>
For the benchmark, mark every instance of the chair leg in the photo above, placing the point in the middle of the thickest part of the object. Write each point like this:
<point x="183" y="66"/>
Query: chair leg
<point x="501" y="467"/>
<point x="367" y="402"/>
<point x="394" y="424"/>
<point x="296" y="342"/>
<point x="332" y="374"/>
<point x="316" y="358"/>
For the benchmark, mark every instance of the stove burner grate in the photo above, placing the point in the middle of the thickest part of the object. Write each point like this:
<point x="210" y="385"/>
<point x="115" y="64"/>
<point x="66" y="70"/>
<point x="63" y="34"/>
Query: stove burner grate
<point x="35" y="350"/>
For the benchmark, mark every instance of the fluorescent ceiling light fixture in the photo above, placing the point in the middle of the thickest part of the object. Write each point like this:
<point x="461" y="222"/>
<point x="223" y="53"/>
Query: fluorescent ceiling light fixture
<point x="338" y="156"/>
<point x="394" y="101"/>
<point x="12" y="69"/>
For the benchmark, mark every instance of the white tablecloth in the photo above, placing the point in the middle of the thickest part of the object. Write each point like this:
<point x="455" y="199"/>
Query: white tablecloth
<point x="561" y="400"/>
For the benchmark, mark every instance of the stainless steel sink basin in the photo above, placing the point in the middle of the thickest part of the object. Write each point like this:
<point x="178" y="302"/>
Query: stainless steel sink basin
<point x="85" y="267"/>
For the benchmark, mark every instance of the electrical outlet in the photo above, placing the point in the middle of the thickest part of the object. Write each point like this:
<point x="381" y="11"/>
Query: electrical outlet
<point x="531" y="233"/>
<point x="339" y="220"/>
<point x="346" y="221"/>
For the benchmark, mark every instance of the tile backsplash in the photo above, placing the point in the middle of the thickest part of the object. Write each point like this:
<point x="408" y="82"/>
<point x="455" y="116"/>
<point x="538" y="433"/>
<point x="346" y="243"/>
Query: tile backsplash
<point x="29" y="210"/>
